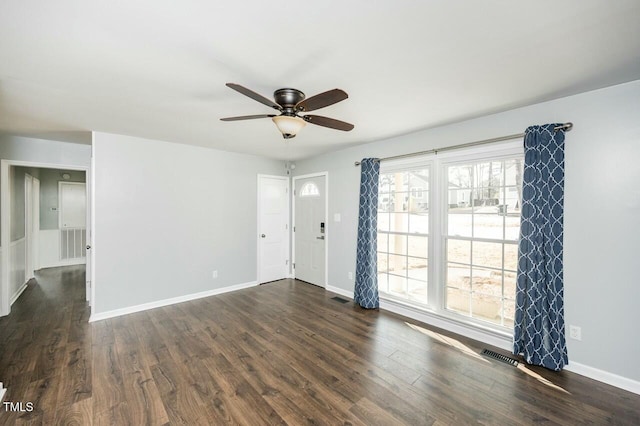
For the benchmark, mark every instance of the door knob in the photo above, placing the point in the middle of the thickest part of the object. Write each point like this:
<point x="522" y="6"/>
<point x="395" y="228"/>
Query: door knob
<point x="88" y="247"/>
<point x="263" y="236"/>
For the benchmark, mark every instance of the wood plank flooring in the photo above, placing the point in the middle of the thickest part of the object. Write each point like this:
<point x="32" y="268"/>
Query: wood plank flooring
<point x="281" y="353"/>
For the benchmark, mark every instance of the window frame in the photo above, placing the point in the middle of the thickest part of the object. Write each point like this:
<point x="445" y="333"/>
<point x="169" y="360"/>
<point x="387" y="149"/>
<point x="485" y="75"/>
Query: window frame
<point x="437" y="228"/>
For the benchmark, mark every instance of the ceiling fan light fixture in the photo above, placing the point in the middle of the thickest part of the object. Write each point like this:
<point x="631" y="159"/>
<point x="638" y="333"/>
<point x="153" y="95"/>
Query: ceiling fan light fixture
<point x="289" y="126"/>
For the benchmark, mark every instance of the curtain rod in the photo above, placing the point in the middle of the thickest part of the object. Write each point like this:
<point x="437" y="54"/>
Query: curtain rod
<point x="565" y="126"/>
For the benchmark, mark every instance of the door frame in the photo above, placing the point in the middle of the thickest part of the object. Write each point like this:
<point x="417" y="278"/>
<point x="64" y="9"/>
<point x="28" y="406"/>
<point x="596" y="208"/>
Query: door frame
<point x="5" y="224"/>
<point x="31" y="228"/>
<point x="259" y="223"/>
<point x="327" y="229"/>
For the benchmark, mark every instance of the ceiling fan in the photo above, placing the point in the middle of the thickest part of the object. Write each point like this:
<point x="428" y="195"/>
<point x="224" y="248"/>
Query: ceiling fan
<point x="292" y="102"/>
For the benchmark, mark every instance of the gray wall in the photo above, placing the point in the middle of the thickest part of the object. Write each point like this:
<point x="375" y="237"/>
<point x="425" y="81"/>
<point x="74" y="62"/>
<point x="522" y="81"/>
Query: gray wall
<point x="44" y="151"/>
<point x="602" y="207"/>
<point x="167" y="215"/>
<point x="49" y="179"/>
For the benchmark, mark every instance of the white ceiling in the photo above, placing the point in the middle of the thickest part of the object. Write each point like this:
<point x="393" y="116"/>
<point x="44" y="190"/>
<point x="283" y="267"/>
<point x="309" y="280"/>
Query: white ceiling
<point x="157" y="69"/>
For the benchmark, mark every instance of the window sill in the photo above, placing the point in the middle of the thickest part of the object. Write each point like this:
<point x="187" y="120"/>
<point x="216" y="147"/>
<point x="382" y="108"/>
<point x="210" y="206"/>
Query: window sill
<point x="498" y="338"/>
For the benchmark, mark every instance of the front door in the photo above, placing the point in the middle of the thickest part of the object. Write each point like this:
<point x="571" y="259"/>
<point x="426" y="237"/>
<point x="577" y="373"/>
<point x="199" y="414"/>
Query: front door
<point x="310" y="229"/>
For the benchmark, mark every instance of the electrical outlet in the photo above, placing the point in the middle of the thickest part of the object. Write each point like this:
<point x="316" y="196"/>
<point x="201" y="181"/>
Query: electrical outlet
<point x="214" y="274"/>
<point x="575" y="332"/>
<point x="350" y="275"/>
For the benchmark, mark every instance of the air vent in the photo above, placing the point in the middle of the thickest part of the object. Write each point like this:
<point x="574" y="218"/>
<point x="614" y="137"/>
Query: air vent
<point x="500" y="357"/>
<point x="340" y="299"/>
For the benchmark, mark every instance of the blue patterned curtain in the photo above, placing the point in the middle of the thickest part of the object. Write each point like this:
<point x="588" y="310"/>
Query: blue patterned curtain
<point x="539" y="317"/>
<point x="366" y="289"/>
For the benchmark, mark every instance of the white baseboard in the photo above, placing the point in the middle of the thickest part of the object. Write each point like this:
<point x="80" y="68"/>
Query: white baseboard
<point x="99" y="316"/>
<point x="18" y="294"/>
<point x="340" y="291"/>
<point x="604" y="377"/>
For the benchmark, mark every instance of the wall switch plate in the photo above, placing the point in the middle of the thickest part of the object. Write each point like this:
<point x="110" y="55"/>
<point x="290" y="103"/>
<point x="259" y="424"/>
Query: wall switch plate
<point x="350" y="275"/>
<point x="336" y="217"/>
<point x="575" y="332"/>
<point x="214" y="274"/>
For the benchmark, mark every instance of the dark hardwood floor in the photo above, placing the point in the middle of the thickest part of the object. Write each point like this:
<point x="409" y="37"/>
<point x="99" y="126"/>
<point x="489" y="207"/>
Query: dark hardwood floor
<point x="281" y="353"/>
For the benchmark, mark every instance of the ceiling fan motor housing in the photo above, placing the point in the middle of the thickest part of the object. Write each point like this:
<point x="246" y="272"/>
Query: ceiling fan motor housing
<point x="288" y="98"/>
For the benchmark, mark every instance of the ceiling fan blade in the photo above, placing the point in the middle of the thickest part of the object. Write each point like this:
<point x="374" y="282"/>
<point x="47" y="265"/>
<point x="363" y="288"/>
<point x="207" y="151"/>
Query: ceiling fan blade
<point x="247" y="117"/>
<point x="253" y="95"/>
<point x="322" y="100"/>
<point x="328" y="122"/>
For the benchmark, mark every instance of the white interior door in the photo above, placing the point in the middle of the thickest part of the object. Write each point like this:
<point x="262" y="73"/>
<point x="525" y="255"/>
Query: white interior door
<point x="310" y="229"/>
<point x="273" y="228"/>
<point x="73" y="205"/>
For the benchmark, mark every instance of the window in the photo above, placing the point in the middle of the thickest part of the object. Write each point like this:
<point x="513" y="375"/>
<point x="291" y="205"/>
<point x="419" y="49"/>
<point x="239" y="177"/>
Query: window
<point x="481" y="238"/>
<point x="465" y="267"/>
<point x="403" y="232"/>
<point x="309" y="189"/>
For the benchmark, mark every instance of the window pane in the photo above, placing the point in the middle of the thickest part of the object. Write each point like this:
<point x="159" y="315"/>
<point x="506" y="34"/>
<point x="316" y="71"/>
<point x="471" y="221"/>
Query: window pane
<point x="418" y="246"/>
<point x="385" y="183"/>
<point x="512" y="228"/>
<point x="510" y="279"/>
<point x="383" y="242"/>
<point x="486" y="281"/>
<point x="511" y="256"/>
<point x="419" y="223"/>
<point x="417" y="291"/>
<point x="419" y="204"/>
<point x="399" y="202"/>
<point x="459" y="176"/>
<point x="509" y="312"/>
<point x="460" y="221"/>
<point x="513" y="171"/>
<point x="383" y="282"/>
<point x="487" y="254"/>
<point x="401" y="181"/>
<point x="458" y="300"/>
<point x="383" y="202"/>
<point x="399" y="222"/>
<point x="487" y="308"/>
<point x="398" y="244"/>
<point x="459" y="276"/>
<point x="417" y="268"/>
<point x="383" y="262"/>
<point x="397" y="285"/>
<point x="489" y="175"/>
<point x="487" y="225"/>
<point x="398" y="265"/>
<point x="383" y="222"/>
<point x="458" y="251"/>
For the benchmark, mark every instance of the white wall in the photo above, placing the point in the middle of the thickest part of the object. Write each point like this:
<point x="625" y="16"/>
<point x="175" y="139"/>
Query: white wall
<point x="602" y="211"/>
<point x="17" y="268"/>
<point x="167" y="215"/>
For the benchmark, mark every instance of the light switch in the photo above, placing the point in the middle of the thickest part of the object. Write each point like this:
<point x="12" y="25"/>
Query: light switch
<point x="336" y="217"/>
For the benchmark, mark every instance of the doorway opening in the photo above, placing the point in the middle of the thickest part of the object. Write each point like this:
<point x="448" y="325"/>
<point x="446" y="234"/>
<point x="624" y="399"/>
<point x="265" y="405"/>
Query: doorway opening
<point x="45" y="223"/>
